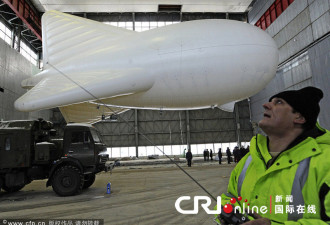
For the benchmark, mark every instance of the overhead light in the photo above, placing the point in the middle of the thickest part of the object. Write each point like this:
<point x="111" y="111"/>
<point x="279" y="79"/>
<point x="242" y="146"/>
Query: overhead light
<point x="169" y="8"/>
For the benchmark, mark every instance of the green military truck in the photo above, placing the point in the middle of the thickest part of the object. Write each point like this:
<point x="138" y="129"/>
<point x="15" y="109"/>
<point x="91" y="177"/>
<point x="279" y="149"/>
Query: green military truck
<point x="29" y="152"/>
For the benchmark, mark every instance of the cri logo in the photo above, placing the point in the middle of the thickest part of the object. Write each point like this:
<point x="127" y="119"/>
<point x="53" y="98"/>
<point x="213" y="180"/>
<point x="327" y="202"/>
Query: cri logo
<point x="228" y="208"/>
<point x="196" y="200"/>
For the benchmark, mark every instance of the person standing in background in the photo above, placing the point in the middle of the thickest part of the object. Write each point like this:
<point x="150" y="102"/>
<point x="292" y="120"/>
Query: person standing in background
<point x="189" y="157"/>
<point x="228" y="155"/>
<point x="219" y="155"/>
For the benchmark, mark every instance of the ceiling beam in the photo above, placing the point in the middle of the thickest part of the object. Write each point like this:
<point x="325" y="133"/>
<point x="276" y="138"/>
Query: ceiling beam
<point x="27" y="14"/>
<point x="14" y="18"/>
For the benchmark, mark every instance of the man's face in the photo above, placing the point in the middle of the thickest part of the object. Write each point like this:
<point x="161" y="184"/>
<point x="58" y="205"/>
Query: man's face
<point x="279" y="117"/>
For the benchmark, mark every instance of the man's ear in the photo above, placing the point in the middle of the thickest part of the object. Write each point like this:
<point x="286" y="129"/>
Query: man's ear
<point x="299" y="119"/>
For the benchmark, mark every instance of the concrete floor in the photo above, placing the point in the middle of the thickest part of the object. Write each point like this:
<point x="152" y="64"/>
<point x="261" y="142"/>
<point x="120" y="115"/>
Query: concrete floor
<point x="140" y="195"/>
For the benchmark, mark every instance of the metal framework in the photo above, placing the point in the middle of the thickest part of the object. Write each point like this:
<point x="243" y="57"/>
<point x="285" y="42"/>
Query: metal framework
<point x="27" y="14"/>
<point x="16" y="15"/>
<point x="157" y="128"/>
<point x="271" y="14"/>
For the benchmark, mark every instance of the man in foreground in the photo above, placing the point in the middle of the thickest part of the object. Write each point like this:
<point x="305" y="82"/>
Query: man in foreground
<point x="285" y="176"/>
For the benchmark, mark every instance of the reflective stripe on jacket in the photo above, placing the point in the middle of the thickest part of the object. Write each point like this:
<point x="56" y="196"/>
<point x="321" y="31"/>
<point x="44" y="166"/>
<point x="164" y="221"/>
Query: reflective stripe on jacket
<point x="297" y="181"/>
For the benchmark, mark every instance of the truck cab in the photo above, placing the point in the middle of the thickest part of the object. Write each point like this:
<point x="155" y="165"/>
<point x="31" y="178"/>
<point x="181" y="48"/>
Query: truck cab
<point x="29" y="152"/>
<point x="84" y="143"/>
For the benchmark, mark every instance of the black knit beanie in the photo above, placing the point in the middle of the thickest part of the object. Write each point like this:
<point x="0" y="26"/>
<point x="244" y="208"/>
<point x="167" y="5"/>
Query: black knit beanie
<point x="305" y="101"/>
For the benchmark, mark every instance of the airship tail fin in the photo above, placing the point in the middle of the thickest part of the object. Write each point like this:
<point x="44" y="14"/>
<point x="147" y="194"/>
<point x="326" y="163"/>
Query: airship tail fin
<point x="67" y="35"/>
<point x="228" y="107"/>
<point x="62" y="90"/>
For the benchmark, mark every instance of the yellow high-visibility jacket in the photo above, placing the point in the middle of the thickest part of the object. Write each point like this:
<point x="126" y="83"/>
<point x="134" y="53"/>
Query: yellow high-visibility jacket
<point x="294" y="188"/>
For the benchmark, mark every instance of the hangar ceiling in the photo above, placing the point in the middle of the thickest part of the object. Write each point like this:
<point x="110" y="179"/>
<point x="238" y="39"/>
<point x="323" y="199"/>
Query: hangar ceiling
<point x="98" y="8"/>
<point x="230" y="6"/>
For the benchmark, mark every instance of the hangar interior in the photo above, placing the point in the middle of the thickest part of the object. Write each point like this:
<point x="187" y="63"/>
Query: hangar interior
<point x="299" y="27"/>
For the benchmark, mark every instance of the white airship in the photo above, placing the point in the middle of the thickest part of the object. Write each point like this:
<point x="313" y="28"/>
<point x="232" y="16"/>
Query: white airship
<point x="90" y="66"/>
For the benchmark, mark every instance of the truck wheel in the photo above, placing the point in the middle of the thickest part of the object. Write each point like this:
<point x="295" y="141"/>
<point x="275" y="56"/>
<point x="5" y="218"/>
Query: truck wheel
<point x="12" y="189"/>
<point x="67" y="181"/>
<point x="89" y="180"/>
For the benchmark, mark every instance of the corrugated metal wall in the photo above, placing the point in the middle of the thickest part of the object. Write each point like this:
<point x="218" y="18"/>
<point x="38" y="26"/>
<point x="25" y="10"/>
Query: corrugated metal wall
<point x="302" y="35"/>
<point x="13" y="69"/>
<point x="170" y="127"/>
